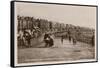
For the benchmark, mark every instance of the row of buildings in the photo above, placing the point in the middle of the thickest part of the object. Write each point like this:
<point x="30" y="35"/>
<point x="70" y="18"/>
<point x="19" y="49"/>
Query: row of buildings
<point x="25" y="22"/>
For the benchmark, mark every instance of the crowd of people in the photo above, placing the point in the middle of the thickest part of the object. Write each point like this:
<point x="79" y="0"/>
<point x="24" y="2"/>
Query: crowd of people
<point x="75" y="36"/>
<point x="32" y="28"/>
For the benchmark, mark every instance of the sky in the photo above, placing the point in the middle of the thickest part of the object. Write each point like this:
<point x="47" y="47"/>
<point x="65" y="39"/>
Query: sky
<point x="69" y="14"/>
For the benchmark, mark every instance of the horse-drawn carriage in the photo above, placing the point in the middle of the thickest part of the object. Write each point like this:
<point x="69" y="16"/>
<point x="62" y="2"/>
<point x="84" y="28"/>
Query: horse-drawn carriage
<point x="24" y="36"/>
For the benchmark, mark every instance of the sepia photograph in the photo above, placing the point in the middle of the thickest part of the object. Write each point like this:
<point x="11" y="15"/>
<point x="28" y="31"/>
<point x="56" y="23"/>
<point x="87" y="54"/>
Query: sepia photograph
<point x="51" y="33"/>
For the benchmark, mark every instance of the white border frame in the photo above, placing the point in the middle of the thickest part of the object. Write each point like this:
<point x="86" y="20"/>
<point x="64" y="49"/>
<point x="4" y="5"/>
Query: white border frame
<point x="53" y="62"/>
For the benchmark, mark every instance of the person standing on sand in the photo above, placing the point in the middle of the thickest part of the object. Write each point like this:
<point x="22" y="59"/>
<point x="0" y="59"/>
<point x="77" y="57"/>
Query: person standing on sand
<point x="74" y="40"/>
<point x="69" y="36"/>
<point x="93" y="40"/>
<point x="62" y="37"/>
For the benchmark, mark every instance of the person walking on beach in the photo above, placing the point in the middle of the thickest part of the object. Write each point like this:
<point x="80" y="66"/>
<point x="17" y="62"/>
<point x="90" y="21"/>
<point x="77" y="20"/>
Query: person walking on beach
<point x="74" y="40"/>
<point x="69" y="36"/>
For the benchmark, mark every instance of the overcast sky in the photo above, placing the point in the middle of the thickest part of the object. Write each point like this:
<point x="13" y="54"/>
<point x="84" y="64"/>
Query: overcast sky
<point x="76" y="15"/>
